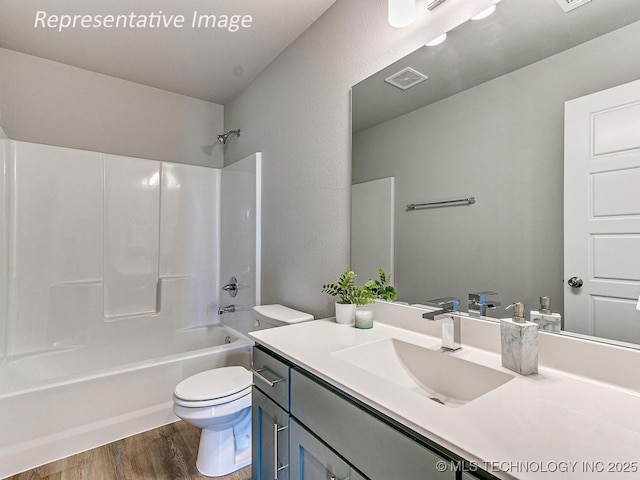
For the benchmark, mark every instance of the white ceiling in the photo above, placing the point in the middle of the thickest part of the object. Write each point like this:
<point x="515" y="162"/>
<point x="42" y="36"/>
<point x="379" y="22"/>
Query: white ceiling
<point x="205" y="63"/>
<point x="519" y="33"/>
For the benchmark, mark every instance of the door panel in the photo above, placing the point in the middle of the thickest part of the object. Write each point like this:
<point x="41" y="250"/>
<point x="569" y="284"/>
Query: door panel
<point x="617" y="193"/>
<point x="616" y="130"/>
<point x="270" y="439"/>
<point x="312" y="460"/>
<point x="611" y="257"/>
<point x="622" y="309"/>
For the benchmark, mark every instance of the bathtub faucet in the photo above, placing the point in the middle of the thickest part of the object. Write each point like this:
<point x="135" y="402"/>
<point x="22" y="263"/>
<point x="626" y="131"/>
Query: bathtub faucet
<point x="227" y="309"/>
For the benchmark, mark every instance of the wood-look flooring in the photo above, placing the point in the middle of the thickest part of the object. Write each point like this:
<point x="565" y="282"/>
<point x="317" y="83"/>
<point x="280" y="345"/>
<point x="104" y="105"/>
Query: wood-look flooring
<point x="166" y="453"/>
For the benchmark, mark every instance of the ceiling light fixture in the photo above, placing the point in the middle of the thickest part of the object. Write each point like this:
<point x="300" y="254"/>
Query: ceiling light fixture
<point x="484" y="13"/>
<point x="479" y="16"/>
<point x="401" y="12"/>
<point x="434" y="3"/>
<point x="437" y="41"/>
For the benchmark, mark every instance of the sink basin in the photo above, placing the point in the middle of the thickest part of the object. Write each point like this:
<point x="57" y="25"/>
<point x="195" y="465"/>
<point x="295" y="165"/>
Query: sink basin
<point x="432" y="373"/>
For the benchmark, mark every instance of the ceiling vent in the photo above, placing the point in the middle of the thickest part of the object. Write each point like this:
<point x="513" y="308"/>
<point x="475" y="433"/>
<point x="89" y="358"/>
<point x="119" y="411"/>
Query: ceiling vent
<point x="406" y="78"/>
<point x="568" y="5"/>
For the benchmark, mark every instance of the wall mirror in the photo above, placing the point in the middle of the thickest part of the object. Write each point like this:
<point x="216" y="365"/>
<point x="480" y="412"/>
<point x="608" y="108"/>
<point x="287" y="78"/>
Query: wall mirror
<point x="489" y="123"/>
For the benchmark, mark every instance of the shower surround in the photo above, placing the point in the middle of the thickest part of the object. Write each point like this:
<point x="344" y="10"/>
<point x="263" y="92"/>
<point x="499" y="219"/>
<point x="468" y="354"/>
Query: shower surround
<point x="109" y="281"/>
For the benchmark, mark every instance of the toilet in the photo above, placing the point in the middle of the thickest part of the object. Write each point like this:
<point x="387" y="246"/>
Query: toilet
<point x="219" y="402"/>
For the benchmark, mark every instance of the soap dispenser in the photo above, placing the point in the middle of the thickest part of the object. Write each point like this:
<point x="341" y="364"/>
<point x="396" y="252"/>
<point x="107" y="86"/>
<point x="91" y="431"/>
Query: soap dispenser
<point x="519" y="341"/>
<point x="546" y="320"/>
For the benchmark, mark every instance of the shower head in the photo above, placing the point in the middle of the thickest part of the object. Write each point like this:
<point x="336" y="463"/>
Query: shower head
<point x="225" y="136"/>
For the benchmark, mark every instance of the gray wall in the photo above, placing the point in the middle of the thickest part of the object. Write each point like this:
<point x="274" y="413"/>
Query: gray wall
<point x="47" y="102"/>
<point x="297" y="113"/>
<point x="502" y="142"/>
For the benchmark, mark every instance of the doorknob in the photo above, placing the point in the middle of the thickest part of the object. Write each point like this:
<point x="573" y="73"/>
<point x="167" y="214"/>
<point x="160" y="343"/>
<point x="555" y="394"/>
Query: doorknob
<point x="575" y="282"/>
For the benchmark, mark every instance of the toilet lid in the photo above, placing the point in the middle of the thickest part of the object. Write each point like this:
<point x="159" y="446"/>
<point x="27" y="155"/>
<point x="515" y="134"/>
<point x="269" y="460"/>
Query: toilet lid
<point x="216" y="383"/>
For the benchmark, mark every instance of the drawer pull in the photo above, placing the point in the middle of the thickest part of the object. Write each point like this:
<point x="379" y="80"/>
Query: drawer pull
<point x="258" y="373"/>
<point x="276" y="469"/>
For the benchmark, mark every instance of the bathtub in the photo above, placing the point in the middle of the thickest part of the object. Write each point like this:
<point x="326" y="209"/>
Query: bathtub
<point x="66" y="400"/>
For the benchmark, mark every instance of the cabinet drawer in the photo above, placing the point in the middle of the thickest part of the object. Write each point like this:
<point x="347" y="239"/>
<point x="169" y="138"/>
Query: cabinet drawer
<point x="271" y="376"/>
<point x="373" y="447"/>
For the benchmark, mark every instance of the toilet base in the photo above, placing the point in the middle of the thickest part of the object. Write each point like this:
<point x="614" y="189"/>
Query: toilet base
<point x="217" y="454"/>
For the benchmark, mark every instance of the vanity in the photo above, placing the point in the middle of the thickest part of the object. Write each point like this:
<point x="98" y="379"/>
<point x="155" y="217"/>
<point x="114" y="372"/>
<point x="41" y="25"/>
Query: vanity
<point x="326" y="432"/>
<point x="335" y="402"/>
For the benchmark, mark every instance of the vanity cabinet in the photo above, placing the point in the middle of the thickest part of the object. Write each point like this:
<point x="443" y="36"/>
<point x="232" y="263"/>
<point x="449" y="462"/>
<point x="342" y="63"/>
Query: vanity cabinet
<point x="269" y="417"/>
<point x="319" y="432"/>
<point x="372" y="446"/>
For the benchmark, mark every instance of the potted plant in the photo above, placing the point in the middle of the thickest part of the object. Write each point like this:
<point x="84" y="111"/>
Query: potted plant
<point x="349" y="294"/>
<point x="380" y="288"/>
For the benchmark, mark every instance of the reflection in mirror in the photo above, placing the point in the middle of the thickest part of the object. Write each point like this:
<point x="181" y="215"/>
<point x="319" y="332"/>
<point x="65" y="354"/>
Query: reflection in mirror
<point x="489" y="123"/>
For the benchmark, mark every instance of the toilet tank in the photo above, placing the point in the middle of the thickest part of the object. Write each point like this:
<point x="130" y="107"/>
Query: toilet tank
<point x="269" y="316"/>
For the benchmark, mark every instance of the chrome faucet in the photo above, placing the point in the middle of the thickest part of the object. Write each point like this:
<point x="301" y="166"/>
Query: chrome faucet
<point x="446" y="307"/>
<point x="231" y="287"/>
<point x="478" y="303"/>
<point x="227" y="309"/>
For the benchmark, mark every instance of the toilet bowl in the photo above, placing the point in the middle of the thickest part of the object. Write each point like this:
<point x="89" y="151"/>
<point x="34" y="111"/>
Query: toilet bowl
<point x="219" y="402"/>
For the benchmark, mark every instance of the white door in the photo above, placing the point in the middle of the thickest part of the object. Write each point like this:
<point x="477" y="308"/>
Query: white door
<point x="602" y="213"/>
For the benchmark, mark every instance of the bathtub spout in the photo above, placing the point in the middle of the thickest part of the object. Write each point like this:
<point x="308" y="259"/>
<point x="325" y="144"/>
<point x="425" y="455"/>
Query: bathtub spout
<point x="227" y="309"/>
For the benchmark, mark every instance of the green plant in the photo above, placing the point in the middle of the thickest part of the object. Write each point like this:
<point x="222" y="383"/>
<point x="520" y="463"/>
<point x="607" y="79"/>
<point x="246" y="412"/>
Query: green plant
<point x="342" y="288"/>
<point x="347" y="290"/>
<point x="361" y="296"/>
<point x="380" y="288"/>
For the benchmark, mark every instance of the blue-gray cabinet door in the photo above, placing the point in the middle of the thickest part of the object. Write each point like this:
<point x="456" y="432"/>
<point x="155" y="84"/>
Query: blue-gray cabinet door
<point x="311" y="459"/>
<point x="375" y="448"/>
<point x="270" y="439"/>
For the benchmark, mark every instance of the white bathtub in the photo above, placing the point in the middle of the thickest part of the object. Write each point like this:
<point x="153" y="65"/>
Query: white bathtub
<point x="57" y="403"/>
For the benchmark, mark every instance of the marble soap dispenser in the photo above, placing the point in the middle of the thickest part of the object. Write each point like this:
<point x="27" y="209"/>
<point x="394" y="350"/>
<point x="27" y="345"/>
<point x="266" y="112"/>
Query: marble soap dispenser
<point x="545" y="318"/>
<point x="519" y="340"/>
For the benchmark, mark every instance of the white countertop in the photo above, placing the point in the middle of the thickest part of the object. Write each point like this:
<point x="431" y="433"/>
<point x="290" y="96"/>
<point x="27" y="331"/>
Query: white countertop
<point x="551" y="425"/>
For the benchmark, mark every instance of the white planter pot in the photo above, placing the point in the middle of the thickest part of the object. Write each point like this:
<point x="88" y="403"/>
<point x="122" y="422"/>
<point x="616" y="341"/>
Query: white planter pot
<point x="345" y="313"/>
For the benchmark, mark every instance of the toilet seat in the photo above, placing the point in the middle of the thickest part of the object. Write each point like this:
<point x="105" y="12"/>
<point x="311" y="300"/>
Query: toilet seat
<point x="213" y="387"/>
